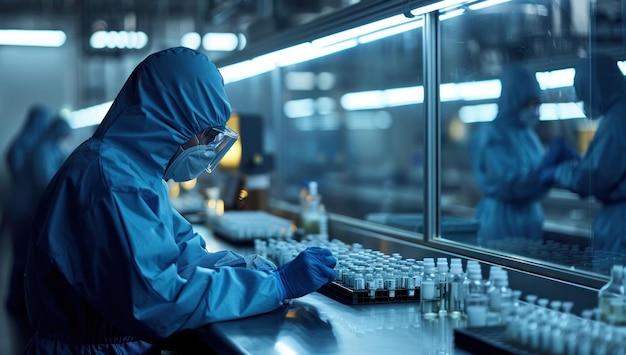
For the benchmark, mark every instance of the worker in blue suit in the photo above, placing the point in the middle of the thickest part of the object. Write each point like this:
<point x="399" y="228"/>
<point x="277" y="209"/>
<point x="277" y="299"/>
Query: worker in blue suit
<point x="507" y="158"/>
<point x="601" y="172"/>
<point x="112" y="267"/>
<point x="39" y="166"/>
<point x="16" y="213"/>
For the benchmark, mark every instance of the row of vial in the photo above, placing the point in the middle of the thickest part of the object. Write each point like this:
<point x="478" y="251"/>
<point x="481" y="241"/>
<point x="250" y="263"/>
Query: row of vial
<point x="548" y="327"/>
<point x="444" y="288"/>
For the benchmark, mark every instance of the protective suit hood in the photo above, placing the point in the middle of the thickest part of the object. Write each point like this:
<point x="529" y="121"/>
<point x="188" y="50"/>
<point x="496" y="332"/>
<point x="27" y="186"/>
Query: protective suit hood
<point x="37" y="120"/>
<point x="170" y="96"/>
<point x="518" y="87"/>
<point x="599" y="82"/>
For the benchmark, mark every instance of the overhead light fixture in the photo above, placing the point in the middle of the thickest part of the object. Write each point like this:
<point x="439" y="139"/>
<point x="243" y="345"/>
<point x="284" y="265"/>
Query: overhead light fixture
<point x="220" y="41"/>
<point x="191" y="40"/>
<point x="486" y="3"/>
<point x="89" y="116"/>
<point x="556" y="78"/>
<point x="118" y="39"/>
<point x="440" y="5"/>
<point x="36" y="38"/>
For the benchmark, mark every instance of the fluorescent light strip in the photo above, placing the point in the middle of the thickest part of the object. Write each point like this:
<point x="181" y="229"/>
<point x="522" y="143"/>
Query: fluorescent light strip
<point x="44" y="38"/>
<point x="118" y="39"/>
<point x="220" y="41"/>
<point x="556" y="79"/>
<point x="487" y="3"/>
<point x="478" y="113"/>
<point x="342" y="40"/>
<point x="191" y="40"/>
<point x="437" y="6"/>
<point x="89" y="116"/>
<point x="388" y="32"/>
<point x="361" y="30"/>
<point x="547" y="112"/>
<point x="451" y="14"/>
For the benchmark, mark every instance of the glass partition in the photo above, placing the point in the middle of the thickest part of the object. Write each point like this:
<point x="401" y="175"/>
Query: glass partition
<point x="352" y="120"/>
<point x="507" y="99"/>
<point x="348" y="111"/>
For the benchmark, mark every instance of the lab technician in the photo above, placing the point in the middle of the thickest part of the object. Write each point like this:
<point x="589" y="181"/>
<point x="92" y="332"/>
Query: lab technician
<point x="507" y="158"/>
<point x="38" y="168"/>
<point x="16" y="215"/>
<point x="601" y="172"/>
<point x="112" y="268"/>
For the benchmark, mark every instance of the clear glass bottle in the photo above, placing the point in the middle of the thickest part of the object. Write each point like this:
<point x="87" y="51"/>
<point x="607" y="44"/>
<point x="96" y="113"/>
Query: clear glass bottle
<point x="476" y="300"/>
<point x="455" y="295"/>
<point x="370" y="284"/>
<point x="379" y="280"/>
<point x="612" y="298"/>
<point x="390" y="282"/>
<point x="429" y="297"/>
<point x="442" y="284"/>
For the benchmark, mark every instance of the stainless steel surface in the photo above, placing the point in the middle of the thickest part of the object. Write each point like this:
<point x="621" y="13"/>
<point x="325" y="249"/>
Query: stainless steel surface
<point x="316" y="324"/>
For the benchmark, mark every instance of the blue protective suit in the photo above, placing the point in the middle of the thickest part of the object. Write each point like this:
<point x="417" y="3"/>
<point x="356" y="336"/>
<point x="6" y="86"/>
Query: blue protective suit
<point x="601" y="173"/>
<point x="37" y="120"/>
<point x="112" y="266"/>
<point x="506" y="160"/>
<point x="18" y="210"/>
<point x="38" y="168"/>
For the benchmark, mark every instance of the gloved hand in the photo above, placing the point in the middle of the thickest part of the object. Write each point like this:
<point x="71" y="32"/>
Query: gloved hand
<point x="559" y="151"/>
<point x="309" y="271"/>
<point x="546" y="177"/>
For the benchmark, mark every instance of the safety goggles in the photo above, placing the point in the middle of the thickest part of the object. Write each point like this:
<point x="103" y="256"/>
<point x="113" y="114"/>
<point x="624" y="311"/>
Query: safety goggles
<point x="217" y="139"/>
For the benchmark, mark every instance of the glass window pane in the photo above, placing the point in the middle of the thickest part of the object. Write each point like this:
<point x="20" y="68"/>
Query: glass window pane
<point x="351" y="120"/>
<point x="507" y="99"/>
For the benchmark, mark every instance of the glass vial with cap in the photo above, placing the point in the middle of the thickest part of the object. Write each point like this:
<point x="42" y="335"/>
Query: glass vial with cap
<point x="429" y="295"/>
<point x="455" y="296"/>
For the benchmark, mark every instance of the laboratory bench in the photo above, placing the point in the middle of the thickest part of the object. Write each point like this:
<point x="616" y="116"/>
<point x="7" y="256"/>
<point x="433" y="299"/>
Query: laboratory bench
<point x="318" y="324"/>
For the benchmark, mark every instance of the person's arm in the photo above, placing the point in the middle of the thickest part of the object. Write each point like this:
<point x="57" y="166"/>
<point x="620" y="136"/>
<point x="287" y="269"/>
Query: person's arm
<point x="135" y="282"/>
<point x="599" y="170"/>
<point x="193" y="251"/>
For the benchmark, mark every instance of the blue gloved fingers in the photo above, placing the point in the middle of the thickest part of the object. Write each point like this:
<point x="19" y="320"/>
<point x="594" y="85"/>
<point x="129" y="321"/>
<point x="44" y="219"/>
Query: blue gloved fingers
<point x="318" y="250"/>
<point x="307" y="272"/>
<point x="330" y="261"/>
<point x="330" y="274"/>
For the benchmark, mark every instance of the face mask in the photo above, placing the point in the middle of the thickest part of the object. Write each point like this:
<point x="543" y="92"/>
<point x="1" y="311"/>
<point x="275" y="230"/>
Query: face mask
<point x="190" y="163"/>
<point x="529" y="116"/>
<point x="202" y="152"/>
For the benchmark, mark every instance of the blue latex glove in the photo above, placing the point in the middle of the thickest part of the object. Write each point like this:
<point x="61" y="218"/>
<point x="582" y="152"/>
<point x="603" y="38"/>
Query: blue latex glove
<point x="546" y="177"/>
<point x="309" y="271"/>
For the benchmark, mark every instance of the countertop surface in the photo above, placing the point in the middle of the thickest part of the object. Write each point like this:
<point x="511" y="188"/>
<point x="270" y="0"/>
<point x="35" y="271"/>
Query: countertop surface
<point x="318" y="324"/>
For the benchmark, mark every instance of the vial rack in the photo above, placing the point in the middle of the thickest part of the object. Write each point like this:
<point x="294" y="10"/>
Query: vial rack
<point x="350" y="296"/>
<point x="487" y="340"/>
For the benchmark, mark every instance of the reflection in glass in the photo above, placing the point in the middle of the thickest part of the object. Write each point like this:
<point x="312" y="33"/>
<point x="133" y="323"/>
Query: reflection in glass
<point x="351" y="120"/>
<point x="547" y="38"/>
<point x="352" y="117"/>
